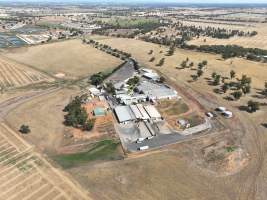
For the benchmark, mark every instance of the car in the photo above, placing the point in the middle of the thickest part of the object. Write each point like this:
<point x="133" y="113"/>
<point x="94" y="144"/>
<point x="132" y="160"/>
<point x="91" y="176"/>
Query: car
<point x="227" y="114"/>
<point x="220" y="109"/>
<point x="209" y="114"/>
<point x="150" y="137"/>
<point x="140" y="140"/>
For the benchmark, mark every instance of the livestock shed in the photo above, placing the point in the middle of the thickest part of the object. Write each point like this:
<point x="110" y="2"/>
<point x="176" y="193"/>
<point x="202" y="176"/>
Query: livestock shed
<point x="144" y="114"/>
<point x="136" y="112"/>
<point x="124" y="114"/>
<point x="156" y="91"/>
<point x="152" y="112"/>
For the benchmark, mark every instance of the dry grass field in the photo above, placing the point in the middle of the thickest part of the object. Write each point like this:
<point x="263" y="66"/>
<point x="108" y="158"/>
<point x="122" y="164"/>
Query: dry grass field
<point x="140" y="49"/>
<point x="67" y="59"/>
<point x="45" y="117"/>
<point x="258" y="41"/>
<point x="13" y="74"/>
<point x="24" y="174"/>
<point x="178" y="173"/>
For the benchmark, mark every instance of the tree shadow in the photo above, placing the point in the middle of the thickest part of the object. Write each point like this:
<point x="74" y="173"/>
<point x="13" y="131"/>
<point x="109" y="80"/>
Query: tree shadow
<point x="243" y="108"/>
<point x="228" y="98"/>
<point x="217" y="91"/>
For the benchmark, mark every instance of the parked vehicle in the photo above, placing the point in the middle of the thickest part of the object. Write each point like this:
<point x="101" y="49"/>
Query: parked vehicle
<point x="221" y="109"/>
<point x="227" y="114"/>
<point x="150" y="137"/>
<point x="143" y="148"/>
<point x="209" y="114"/>
<point x="140" y="140"/>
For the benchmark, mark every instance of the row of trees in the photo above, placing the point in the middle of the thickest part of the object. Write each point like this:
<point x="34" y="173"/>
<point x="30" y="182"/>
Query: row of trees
<point x="220" y="33"/>
<point x="108" y="49"/>
<point x="229" y="51"/>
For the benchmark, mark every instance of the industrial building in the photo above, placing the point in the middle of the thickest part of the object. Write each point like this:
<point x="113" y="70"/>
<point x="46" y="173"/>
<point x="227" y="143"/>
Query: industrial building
<point x="124" y="114"/>
<point x="156" y="91"/>
<point x="153" y="112"/>
<point x="137" y="112"/>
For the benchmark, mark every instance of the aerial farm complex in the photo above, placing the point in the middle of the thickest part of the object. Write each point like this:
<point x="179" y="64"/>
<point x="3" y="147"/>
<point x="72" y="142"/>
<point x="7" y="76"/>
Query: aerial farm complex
<point x="132" y="101"/>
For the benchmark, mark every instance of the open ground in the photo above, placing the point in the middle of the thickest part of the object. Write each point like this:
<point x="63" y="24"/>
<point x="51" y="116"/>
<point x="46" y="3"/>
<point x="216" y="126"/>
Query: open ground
<point x="24" y="174"/>
<point x="67" y="59"/>
<point x="258" y="41"/>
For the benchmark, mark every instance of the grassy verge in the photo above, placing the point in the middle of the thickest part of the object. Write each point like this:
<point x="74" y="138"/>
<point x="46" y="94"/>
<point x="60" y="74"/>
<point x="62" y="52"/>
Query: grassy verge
<point x="103" y="150"/>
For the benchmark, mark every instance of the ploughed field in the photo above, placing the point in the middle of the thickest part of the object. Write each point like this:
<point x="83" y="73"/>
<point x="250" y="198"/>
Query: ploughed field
<point x="13" y="74"/>
<point x="24" y="174"/>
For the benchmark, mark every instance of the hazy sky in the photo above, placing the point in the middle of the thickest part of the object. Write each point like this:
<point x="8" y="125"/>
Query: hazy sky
<point x="149" y="1"/>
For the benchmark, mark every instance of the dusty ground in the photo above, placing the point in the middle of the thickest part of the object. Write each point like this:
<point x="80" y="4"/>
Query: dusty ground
<point x="45" y="117"/>
<point x="258" y="41"/>
<point x="184" y="173"/>
<point x="71" y="58"/>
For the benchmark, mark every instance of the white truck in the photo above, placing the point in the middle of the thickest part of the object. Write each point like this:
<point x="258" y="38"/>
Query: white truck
<point x="143" y="148"/>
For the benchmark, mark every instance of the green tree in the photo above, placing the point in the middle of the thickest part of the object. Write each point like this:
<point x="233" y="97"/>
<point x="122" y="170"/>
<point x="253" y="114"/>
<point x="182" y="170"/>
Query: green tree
<point x="89" y="125"/>
<point x="110" y="88"/>
<point x="265" y="89"/>
<point x="225" y="87"/>
<point x="232" y="74"/>
<point x="246" y="89"/>
<point x="152" y="59"/>
<point x="183" y="64"/>
<point x="24" y="129"/>
<point x="253" y="106"/>
<point x="162" y="79"/>
<point x="213" y="75"/>
<point x="133" y="81"/>
<point x="245" y="80"/>
<point x="217" y="79"/>
<point x="161" y="62"/>
<point x="199" y="72"/>
<point x="237" y="94"/>
<point x="97" y="79"/>
<point x="204" y="62"/>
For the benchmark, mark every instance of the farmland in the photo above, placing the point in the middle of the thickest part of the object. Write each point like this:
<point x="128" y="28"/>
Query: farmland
<point x="258" y="41"/>
<point x="46" y="132"/>
<point x="140" y="49"/>
<point x="68" y="59"/>
<point x="24" y="174"/>
<point x="13" y="74"/>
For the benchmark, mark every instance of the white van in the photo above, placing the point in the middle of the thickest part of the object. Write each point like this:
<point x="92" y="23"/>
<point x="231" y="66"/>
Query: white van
<point x="143" y="148"/>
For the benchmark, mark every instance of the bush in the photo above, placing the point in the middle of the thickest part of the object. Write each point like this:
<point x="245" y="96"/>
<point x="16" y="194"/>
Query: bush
<point x="24" y="129"/>
<point x="253" y="106"/>
<point x="89" y="125"/>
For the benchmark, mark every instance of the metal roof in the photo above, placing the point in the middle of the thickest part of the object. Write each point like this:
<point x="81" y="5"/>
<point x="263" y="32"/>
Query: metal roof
<point x="136" y="111"/>
<point x="142" y="111"/>
<point x="152" y="111"/>
<point x="124" y="114"/>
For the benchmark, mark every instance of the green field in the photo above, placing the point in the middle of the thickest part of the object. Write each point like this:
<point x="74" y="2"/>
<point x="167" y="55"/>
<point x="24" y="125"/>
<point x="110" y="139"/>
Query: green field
<point x="103" y="150"/>
<point x="144" y="24"/>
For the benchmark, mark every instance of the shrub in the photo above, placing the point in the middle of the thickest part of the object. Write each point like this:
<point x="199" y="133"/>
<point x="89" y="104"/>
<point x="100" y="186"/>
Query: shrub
<point x="24" y="129"/>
